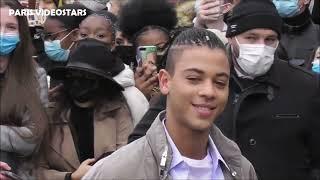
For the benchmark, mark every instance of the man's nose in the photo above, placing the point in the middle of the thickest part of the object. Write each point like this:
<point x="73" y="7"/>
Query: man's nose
<point x="207" y="89"/>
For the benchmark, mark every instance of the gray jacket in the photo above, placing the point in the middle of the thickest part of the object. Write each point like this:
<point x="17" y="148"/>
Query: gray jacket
<point x="150" y="158"/>
<point x="11" y="139"/>
<point x="14" y="146"/>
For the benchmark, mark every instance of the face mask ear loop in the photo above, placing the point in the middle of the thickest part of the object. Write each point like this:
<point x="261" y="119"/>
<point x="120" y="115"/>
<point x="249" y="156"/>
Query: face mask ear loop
<point x="277" y="44"/>
<point x="233" y="49"/>
<point x="237" y="41"/>
<point x="66" y="36"/>
<point x="71" y="45"/>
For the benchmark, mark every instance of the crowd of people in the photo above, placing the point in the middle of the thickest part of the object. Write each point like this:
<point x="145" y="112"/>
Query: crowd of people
<point x="159" y="89"/>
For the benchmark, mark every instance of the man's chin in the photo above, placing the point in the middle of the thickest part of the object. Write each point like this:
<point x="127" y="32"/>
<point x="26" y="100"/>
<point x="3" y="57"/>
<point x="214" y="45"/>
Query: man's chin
<point x="202" y="125"/>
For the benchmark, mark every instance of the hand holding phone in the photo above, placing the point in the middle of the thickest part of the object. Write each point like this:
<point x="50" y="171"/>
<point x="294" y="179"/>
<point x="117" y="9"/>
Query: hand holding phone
<point x="146" y="54"/>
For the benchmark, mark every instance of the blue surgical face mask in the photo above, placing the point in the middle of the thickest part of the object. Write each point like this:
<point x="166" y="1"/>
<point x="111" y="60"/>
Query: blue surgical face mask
<point x="287" y="8"/>
<point x="8" y="43"/>
<point x="316" y="66"/>
<point x="54" y="50"/>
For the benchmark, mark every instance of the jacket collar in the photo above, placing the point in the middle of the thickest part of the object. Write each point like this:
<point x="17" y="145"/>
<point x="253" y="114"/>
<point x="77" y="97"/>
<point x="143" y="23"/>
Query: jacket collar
<point x="100" y="114"/>
<point x="229" y="151"/>
<point x="272" y="77"/>
<point x="297" y="23"/>
<point x="106" y="107"/>
<point x="159" y="145"/>
<point x="162" y="151"/>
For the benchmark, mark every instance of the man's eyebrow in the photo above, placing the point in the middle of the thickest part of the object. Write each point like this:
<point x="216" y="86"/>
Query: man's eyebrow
<point x="12" y="24"/>
<point x="251" y="34"/>
<point x="223" y="74"/>
<point x="272" y="36"/>
<point x="194" y="70"/>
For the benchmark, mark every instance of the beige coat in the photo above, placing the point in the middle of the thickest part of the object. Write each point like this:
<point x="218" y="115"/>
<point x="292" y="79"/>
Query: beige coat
<point x="112" y="126"/>
<point x="150" y="158"/>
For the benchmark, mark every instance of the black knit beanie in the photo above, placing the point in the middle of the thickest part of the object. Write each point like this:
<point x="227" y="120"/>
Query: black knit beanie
<point x="252" y="14"/>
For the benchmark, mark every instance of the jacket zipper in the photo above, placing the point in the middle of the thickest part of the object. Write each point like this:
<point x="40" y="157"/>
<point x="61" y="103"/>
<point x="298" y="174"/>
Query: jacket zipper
<point x="238" y="99"/>
<point x="163" y="170"/>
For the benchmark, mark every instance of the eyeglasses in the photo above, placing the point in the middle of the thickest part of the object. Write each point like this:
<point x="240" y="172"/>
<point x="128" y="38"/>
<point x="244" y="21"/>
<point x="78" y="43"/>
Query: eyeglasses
<point x="162" y="47"/>
<point x="50" y="36"/>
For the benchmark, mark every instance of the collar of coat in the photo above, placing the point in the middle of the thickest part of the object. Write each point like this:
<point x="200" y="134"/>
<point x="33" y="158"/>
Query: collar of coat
<point x="162" y="151"/>
<point x="297" y="23"/>
<point x="100" y="111"/>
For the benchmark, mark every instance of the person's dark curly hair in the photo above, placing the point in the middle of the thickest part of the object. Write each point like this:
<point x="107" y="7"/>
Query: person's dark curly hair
<point x="137" y="14"/>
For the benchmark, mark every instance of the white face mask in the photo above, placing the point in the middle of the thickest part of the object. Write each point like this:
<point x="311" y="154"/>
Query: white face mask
<point x="255" y="59"/>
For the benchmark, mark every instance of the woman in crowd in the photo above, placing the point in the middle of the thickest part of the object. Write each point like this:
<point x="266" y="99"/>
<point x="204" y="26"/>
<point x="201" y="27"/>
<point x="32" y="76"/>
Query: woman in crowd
<point x="121" y="38"/>
<point x="91" y="118"/>
<point x="314" y="62"/>
<point x="148" y="23"/>
<point x="22" y="96"/>
<point x="100" y="26"/>
<point x="59" y="35"/>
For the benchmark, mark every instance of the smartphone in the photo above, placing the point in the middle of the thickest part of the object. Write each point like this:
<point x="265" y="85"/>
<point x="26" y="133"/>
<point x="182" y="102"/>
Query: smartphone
<point x="144" y="53"/>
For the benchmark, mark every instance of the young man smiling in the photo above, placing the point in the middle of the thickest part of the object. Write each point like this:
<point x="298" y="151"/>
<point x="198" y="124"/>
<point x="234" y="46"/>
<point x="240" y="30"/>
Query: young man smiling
<point x="183" y="143"/>
<point x="273" y="106"/>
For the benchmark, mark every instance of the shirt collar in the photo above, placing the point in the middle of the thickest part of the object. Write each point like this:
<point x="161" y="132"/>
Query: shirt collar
<point x="177" y="158"/>
<point x="176" y="155"/>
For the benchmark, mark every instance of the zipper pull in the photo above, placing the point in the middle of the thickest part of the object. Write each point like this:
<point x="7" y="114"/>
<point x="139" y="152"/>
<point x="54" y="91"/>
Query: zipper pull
<point x="235" y="99"/>
<point x="163" y="163"/>
<point x="270" y="95"/>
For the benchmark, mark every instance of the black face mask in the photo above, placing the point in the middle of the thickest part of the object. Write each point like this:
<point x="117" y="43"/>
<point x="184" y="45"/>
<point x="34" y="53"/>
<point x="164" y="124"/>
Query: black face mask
<point x="83" y="90"/>
<point x="127" y="54"/>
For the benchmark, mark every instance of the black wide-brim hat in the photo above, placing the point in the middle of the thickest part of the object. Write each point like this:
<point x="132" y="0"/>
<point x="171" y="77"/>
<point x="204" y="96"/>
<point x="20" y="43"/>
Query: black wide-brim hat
<point x="91" y="56"/>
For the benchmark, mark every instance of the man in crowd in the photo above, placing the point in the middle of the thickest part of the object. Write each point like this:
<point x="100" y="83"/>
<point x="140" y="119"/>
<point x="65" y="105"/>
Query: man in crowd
<point x="300" y="36"/>
<point x="182" y="143"/>
<point x="272" y="111"/>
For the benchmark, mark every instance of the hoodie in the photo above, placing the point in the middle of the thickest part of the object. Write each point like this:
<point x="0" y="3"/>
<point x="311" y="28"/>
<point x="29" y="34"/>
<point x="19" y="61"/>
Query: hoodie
<point x="137" y="102"/>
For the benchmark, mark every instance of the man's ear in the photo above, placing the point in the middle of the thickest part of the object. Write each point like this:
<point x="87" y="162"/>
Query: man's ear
<point x="164" y="81"/>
